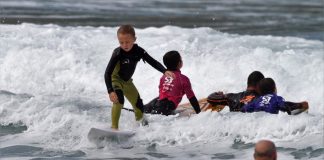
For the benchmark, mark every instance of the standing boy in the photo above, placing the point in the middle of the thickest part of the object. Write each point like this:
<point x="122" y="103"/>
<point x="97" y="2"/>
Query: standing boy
<point x="119" y="72"/>
<point x="172" y="89"/>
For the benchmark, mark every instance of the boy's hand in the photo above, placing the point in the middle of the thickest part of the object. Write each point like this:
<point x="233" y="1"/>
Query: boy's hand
<point x="304" y="105"/>
<point x="169" y="74"/>
<point x="113" y="97"/>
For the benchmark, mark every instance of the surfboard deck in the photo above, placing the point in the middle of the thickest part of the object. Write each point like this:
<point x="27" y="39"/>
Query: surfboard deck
<point x="186" y="108"/>
<point x="298" y="111"/>
<point x="95" y="135"/>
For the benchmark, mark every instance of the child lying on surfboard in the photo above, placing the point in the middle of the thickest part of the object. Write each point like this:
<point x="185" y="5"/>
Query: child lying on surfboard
<point x="269" y="101"/>
<point x="235" y="101"/>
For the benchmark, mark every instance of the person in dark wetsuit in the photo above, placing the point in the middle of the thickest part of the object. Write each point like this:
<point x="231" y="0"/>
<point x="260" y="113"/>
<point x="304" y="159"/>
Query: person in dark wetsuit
<point x="119" y="72"/>
<point x="236" y="100"/>
<point x="171" y="90"/>
<point x="269" y="101"/>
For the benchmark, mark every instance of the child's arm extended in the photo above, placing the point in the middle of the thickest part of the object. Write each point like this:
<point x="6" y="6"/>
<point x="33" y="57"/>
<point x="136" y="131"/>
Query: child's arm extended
<point x="190" y="94"/>
<point x="157" y="65"/>
<point x="195" y="104"/>
<point x="109" y="70"/>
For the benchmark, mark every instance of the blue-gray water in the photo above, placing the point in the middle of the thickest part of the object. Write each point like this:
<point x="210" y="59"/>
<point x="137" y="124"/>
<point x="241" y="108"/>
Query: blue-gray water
<point x="254" y="17"/>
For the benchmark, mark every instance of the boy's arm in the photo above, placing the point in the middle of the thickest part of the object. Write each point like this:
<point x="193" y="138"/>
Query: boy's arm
<point x="154" y="63"/>
<point x="290" y="106"/>
<point x="195" y="104"/>
<point x="282" y="107"/>
<point x="109" y="70"/>
<point x="190" y="94"/>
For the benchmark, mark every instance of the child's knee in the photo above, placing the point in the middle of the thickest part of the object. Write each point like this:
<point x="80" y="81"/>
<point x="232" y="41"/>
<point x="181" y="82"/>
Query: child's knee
<point x="120" y="96"/>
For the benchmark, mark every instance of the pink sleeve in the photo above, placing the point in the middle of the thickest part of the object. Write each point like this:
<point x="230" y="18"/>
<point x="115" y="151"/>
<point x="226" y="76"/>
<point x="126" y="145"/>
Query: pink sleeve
<point x="187" y="88"/>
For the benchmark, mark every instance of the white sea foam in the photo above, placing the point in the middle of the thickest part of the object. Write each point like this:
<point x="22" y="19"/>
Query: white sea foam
<point x="61" y="71"/>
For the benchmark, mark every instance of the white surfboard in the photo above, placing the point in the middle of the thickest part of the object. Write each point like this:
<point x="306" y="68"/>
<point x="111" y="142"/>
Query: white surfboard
<point x="96" y="135"/>
<point x="298" y="111"/>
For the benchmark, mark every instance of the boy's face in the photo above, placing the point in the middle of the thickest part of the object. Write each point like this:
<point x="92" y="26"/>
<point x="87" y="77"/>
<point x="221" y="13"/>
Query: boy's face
<point x="126" y="41"/>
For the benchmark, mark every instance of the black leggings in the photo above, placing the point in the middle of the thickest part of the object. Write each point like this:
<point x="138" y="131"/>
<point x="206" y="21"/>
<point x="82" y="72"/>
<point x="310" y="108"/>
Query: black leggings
<point x="156" y="106"/>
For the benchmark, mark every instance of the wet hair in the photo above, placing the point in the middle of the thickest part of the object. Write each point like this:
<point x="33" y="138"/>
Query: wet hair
<point x="254" y="78"/>
<point x="171" y="60"/>
<point x="268" y="152"/>
<point x="126" y="29"/>
<point x="267" y="86"/>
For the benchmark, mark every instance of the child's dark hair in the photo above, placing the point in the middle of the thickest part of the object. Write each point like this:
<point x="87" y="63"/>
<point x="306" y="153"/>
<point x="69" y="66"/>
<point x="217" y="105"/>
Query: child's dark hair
<point x="171" y="60"/>
<point x="126" y="29"/>
<point x="254" y="78"/>
<point x="267" y="86"/>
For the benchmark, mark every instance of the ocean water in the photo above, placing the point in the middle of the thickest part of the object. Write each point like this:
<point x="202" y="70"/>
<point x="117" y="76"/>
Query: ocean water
<point x="53" y="55"/>
<point x="53" y="92"/>
<point x="253" y="17"/>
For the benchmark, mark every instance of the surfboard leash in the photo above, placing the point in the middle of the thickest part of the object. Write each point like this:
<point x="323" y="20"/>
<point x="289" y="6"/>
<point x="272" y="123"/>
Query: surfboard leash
<point x="127" y="109"/>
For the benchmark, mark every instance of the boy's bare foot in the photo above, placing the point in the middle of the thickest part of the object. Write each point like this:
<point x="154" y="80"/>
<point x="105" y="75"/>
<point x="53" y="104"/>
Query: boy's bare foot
<point x="114" y="129"/>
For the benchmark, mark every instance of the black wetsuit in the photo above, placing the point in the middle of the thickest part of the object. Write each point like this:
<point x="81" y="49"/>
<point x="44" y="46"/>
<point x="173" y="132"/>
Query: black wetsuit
<point x="127" y="63"/>
<point x="118" y="78"/>
<point x="234" y="100"/>
<point x="166" y="107"/>
<point x="156" y="106"/>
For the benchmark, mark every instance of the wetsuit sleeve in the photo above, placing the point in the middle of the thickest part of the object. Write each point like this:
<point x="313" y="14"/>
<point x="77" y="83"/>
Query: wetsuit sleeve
<point x="187" y="87"/>
<point x="195" y="104"/>
<point x="190" y="94"/>
<point x="109" y="70"/>
<point x="154" y="63"/>
<point x="281" y="104"/>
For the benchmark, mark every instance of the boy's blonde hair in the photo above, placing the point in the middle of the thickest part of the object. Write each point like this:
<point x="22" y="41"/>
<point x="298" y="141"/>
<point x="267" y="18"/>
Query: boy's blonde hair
<point x="126" y="29"/>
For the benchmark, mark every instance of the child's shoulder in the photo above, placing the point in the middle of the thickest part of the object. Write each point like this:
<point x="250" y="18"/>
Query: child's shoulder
<point x="280" y="98"/>
<point x="139" y="48"/>
<point x="184" y="77"/>
<point x="275" y="95"/>
<point x="117" y="50"/>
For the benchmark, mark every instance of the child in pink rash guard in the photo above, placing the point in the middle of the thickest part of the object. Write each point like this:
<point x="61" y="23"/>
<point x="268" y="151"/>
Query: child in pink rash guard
<point x="171" y="89"/>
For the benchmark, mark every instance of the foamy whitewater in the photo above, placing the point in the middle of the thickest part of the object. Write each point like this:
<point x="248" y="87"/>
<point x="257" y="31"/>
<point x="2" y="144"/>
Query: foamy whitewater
<point x="53" y="91"/>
